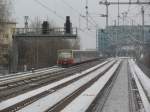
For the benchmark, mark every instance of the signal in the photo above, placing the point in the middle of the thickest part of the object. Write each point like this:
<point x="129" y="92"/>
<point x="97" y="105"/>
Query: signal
<point x="68" y="26"/>
<point x="45" y="27"/>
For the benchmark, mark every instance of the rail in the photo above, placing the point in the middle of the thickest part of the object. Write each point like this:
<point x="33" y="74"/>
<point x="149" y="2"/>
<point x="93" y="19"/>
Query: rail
<point x="14" y="101"/>
<point x="141" y="90"/>
<point x="19" y="86"/>
<point x="89" y="95"/>
<point x="26" y="72"/>
<point x="20" y="76"/>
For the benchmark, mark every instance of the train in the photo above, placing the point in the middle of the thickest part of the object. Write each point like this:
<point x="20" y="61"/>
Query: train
<point x="70" y="57"/>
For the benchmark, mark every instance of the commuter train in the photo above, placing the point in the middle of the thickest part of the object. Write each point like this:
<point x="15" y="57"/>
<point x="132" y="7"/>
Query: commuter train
<point x="72" y="57"/>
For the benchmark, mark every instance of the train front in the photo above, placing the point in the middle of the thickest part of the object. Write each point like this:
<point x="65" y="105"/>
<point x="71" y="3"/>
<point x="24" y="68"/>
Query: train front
<point x="65" y="58"/>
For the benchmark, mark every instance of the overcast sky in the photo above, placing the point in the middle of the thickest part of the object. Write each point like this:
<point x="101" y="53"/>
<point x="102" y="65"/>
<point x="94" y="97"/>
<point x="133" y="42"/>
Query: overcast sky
<point x="74" y="8"/>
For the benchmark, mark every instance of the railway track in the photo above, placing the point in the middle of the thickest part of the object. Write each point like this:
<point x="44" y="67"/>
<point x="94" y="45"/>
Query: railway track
<point x="89" y="91"/>
<point x="21" y="74"/>
<point x="8" y="79"/>
<point x="132" y="103"/>
<point x="82" y="81"/>
<point x="98" y="104"/>
<point x="140" y="88"/>
<point x="137" y="95"/>
<point x="10" y="89"/>
<point x="59" y="106"/>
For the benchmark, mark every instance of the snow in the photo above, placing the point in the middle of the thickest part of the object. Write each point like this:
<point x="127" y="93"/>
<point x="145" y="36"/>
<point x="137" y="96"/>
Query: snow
<point x="88" y="96"/>
<point x="144" y="79"/>
<point x="47" y="102"/>
<point x="27" y="72"/>
<point x="19" y="76"/>
<point x="139" y="86"/>
<point x="22" y="97"/>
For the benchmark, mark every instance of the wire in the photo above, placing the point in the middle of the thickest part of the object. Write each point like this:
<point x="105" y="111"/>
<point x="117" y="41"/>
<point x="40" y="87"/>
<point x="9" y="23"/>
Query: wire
<point x="67" y="4"/>
<point x="93" y="21"/>
<point x="62" y="18"/>
<point x="75" y="10"/>
<point x="49" y="9"/>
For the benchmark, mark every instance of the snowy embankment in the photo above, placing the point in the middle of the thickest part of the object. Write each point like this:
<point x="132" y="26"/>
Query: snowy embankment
<point x="142" y="82"/>
<point x="24" y="75"/>
<point x="144" y="79"/>
<point x="82" y="102"/>
<point x="49" y="101"/>
<point x="12" y="101"/>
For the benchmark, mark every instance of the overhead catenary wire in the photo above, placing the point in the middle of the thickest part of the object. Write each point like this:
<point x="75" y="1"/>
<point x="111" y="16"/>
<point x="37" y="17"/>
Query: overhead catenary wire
<point x="61" y="17"/>
<point x="49" y="9"/>
<point x="81" y="15"/>
<point x="132" y="37"/>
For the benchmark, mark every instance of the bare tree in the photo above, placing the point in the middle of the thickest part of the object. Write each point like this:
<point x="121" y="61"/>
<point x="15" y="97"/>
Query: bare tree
<point x="5" y="12"/>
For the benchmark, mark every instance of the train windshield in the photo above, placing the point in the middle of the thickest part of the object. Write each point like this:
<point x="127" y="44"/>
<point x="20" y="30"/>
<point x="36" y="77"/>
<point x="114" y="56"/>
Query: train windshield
<point x="64" y="55"/>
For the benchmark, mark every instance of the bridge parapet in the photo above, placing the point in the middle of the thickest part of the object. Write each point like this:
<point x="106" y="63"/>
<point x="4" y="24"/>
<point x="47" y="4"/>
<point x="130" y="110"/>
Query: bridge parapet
<point x="39" y="32"/>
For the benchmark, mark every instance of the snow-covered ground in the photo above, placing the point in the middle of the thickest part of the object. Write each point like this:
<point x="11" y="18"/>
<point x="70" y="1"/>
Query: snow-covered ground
<point x="144" y="79"/>
<point x="83" y="101"/>
<point x="47" y="102"/>
<point x="142" y="82"/>
<point x="18" y="76"/>
<point x="15" y="100"/>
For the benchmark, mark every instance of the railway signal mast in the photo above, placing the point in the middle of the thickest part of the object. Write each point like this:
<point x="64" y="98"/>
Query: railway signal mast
<point x="143" y="24"/>
<point x="87" y="13"/>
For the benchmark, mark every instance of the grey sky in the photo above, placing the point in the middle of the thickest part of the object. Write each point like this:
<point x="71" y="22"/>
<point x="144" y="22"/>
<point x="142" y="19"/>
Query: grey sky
<point x="88" y="37"/>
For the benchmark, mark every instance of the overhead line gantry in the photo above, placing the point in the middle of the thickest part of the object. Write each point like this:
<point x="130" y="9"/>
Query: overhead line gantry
<point x="124" y="3"/>
<point x="106" y="3"/>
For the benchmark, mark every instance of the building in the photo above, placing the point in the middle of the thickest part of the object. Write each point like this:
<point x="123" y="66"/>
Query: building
<point x="6" y="31"/>
<point x="115" y="40"/>
<point x="103" y="42"/>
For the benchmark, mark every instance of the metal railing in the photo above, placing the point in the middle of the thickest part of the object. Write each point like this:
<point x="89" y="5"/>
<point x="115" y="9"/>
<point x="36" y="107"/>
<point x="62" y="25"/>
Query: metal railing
<point x="40" y="31"/>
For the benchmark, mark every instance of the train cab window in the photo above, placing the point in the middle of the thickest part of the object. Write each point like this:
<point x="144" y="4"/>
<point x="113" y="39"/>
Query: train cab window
<point x="64" y="55"/>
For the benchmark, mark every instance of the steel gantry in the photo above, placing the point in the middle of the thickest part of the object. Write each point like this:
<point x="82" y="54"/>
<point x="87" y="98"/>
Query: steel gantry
<point x="106" y="3"/>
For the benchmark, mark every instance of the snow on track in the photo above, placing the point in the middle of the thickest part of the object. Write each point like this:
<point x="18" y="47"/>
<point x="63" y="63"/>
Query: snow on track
<point x="19" y="76"/>
<point x="47" y="102"/>
<point x="83" y="101"/>
<point x="144" y="79"/>
<point x="7" y="103"/>
<point x="27" y="72"/>
<point x="144" y="98"/>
